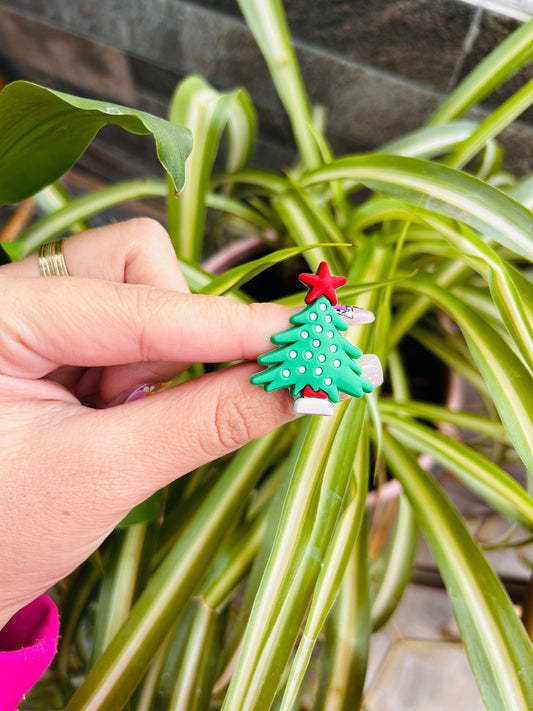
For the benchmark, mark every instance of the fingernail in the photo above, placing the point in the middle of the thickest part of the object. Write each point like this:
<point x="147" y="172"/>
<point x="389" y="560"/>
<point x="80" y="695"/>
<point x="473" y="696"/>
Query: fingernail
<point x="372" y="370"/>
<point x="354" y="315"/>
<point x="138" y="393"/>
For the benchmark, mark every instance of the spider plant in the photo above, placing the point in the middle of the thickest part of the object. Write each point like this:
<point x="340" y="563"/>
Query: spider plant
<point x="263" y="558"/>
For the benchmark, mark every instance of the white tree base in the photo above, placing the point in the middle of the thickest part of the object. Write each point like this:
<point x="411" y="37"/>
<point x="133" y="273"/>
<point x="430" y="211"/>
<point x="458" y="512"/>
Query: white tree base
<point x="312" y="406"/>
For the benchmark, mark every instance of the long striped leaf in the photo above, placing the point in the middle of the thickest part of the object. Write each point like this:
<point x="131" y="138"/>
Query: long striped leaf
<point x="440" y="189"/>
<point x="398" y="565"/>
<point x="431" y="141"/>
<point x="206" y="112"/>
<point x="79" y="208"/>
<point x="331" y="575"/>
<point x="268" y="24"/>
<point x="492" y="126"/>
<point x="311" y="508"/>
<point x="515" y="312"/>
<point x="508" y="380"/>
<point x="306" y="229"/>
<point x="438" y="413"/>
<point x="477" y="472"/>
<point x="497" y="645"/>
<point x="347" y="644"/>
<point x="515" y="52"/>
<point x="236" y="277"/>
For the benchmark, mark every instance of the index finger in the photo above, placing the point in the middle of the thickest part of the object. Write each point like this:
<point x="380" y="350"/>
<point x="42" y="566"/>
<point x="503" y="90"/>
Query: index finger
<point x="87" y="322"/>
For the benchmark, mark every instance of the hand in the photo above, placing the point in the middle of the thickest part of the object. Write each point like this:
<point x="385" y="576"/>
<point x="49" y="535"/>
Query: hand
<point x="123" y="318"/>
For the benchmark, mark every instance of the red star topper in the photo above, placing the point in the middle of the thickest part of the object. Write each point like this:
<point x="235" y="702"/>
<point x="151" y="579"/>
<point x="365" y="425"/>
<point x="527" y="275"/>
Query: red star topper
<point x="322" y="284"/>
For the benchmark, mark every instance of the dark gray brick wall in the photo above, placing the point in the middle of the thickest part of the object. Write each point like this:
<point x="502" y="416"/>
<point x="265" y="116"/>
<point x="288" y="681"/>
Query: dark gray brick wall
<point x="379" y="66"/>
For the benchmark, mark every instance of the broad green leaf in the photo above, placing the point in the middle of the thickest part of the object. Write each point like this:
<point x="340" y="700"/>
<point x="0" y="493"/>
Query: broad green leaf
<point x="440" y="189"/>
<point x="206" y="112"/>
<point x="14" y="250"/>
<point x="514" y="52"/>
<point x="44" y="132"/>
<point x="236" y="277"/>
<point x="496" y="642"/>
<point x="477" y="472"/>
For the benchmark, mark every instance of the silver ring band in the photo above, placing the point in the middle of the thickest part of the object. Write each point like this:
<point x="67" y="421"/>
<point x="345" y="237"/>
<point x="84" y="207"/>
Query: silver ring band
<point x="51" y="260"/>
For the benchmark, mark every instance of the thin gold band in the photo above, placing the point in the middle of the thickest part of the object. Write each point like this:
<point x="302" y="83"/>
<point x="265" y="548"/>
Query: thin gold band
<point x="51" y="260"/>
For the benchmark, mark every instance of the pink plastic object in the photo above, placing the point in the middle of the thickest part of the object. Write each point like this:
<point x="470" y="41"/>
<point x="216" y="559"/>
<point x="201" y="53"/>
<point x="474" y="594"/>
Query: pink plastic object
<point x="28" y="644"/>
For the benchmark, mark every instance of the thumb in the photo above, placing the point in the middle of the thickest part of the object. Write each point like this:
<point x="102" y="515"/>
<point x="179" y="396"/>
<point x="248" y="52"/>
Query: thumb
<point x="137" y="448"/>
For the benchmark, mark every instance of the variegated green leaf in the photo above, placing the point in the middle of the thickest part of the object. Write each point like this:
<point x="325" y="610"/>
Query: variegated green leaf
<point x="206" y="112"/>
<point x="514" y="52"/>
<point x="268" y="24"/>
<point x="440" y="189"/>
<point x="509" y="381"/>
<point x="497" y="645"/>
<point x="484" y="477"/>
<point x="331" y="575"/>
<point x="236" y="277"/>
<point x="306" y="228"/>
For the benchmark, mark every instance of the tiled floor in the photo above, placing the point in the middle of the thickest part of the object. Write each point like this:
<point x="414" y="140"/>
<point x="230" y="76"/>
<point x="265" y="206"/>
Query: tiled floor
<point x="417" y="662"/>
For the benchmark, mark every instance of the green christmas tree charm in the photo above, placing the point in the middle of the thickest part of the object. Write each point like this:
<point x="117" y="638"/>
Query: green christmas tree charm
<point x="314" y="359"/>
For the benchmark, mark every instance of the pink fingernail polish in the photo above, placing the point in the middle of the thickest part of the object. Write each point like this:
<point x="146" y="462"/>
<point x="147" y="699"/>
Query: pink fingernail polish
<point x="138" y="393"/>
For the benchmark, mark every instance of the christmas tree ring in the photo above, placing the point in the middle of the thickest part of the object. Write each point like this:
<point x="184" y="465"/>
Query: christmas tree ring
<point x="313" y="358"/>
